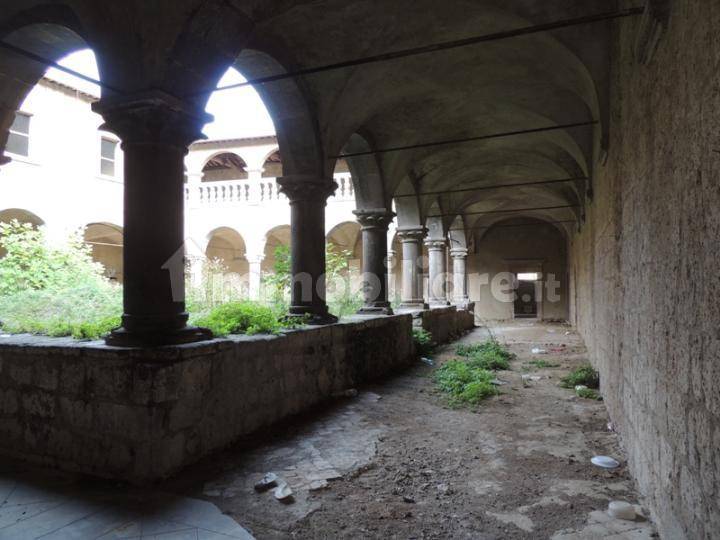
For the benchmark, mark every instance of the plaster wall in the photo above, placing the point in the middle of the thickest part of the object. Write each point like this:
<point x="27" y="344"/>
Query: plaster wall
<point x="509" y="249"/>
<point x="645" y="269"/>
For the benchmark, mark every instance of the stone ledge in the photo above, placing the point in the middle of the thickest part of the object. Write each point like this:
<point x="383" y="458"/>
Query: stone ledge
<point x="143" y="414"/>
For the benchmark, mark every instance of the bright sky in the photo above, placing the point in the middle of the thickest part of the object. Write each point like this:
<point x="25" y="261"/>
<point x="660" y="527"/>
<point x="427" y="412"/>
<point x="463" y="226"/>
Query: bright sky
<point x="238" y="113"/>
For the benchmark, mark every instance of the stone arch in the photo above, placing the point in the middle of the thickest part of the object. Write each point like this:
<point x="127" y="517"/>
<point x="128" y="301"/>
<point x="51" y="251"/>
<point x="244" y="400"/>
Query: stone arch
<point x="106" y="242"/>
<point x="228" y="246"/>
<point x="286" y="101"/>
<point x="272" y="164"/>
<point x="275" y="237"/>
<point x="366" y="174"/>
<point x="348" y="237"/>
<point x="224" y="165"/>
<point x="407" y="205"/>
<point x="49" y="31"/>
<point x="21" y="215"/>
<point x="456" y="234"/>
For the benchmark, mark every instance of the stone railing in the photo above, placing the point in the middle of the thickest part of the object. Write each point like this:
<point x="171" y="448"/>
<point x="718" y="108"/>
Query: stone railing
<point x="238" y="192"/>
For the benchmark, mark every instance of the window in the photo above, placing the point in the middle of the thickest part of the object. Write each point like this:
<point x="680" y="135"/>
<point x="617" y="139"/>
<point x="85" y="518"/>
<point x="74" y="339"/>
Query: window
<point x="107" y="157"/>
<point x="19" y="140"/>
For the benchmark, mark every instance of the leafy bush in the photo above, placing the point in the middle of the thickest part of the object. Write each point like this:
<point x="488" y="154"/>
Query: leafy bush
<point x="584" y="375"/>
<point x="463" y="383"/>
<point x="241" y="318"/>
<point x="587" y="393"/>
<point x="423" y="340"/>
<point x="486" y="355"/>
<point x="56" y="291"/>
<point x="342" y="299"/>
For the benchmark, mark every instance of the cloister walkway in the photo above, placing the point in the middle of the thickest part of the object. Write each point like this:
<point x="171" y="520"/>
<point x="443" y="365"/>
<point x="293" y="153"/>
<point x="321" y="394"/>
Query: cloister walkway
<point x="391" y="462"/>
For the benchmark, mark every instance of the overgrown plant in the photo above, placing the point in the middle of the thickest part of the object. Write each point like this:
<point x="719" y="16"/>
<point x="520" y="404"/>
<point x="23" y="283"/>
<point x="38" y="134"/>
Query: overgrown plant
<point x="423" y="340"/>
<point x="584" y="375"/>
<point x="241" y="318"/>
<point x="486" y="355"/>
<point x="463" y="383"/>
<point x="342" y="298"/>
<point x="56" y="291"/>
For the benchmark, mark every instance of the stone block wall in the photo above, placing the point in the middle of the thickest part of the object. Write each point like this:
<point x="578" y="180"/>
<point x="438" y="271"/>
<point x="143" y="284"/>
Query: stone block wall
<point x="142" y="415"/>
<point x="644" y="270"/>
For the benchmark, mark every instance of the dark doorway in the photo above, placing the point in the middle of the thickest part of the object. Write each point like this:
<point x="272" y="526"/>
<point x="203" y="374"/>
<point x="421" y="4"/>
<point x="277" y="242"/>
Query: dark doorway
<point x="526" y="302"/>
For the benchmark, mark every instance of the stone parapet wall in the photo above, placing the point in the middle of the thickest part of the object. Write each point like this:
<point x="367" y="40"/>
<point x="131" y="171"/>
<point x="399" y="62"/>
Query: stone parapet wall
<point x="447" y="323"/>
<point x="142" y="415"/>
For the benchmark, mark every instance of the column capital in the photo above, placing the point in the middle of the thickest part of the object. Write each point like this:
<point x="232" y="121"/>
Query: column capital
<point x="458" y="253"/>
<point x="152" y="117"/>
<point x="374" y="218"/>
<point x="306" y="188"/>
<point x="411" y="234"/>
<point x="435" y="244"/>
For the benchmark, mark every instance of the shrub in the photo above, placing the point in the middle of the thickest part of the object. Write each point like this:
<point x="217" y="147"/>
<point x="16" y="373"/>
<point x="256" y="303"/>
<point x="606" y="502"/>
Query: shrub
<point x="463" y="383"/>
<point x="56" y="291"/>
<point x="486" y="355"/>
<point x="584" y="375"/>
<point x="241" y="318"/>
<point x="423" y="340"/>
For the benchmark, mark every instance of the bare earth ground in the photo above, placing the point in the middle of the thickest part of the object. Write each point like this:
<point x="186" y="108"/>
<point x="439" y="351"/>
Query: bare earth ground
<point x="396" y="462"/>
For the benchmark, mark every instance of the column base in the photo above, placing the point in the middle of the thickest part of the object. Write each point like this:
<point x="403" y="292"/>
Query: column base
<point x="124" y="338"/>
<point x="310" y="317"/>
<point x="461" y="303"/>
<point x="414" y="305"/>
<point x="439" y="303"/>
<point x="383" y="308"/>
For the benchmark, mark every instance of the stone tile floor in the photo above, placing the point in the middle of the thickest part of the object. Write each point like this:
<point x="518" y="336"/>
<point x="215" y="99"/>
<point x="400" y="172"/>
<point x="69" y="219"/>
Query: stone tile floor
<point x="36" y="504"/>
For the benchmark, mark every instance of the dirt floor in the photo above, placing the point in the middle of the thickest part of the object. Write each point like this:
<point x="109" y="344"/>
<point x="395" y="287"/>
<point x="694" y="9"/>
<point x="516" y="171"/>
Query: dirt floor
<point x="396" y="462"/>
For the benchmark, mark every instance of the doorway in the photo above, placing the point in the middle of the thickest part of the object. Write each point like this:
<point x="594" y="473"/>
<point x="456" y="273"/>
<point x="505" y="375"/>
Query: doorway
<point x="526" y="301"/>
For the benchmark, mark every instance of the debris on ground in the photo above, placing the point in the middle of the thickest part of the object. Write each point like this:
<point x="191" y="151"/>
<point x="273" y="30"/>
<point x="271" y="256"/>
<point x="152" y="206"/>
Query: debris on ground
<point x="621" y="510"/>
<point x="268" y="481"/>
<point x="283" y="493"/>
<point x="538" y="351"/>
<point x="605" y="462"/>
<point x="427" y="361"/>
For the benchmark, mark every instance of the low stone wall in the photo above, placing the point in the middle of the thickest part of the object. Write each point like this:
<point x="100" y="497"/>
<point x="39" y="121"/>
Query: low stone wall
<point x="447" y="323"/>
<point x="142" y="415"/>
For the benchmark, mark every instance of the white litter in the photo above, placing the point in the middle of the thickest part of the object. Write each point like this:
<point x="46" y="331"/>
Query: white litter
<point x="427" y="361"/>
<point x="621" y="510"/>
<point x="605" y="462"/>
<point x="538" y="351"/>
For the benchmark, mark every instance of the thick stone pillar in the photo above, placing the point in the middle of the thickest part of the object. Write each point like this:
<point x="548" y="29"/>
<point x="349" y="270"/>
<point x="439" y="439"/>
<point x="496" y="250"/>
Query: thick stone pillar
<point x="374" y="223"/>
<point x="437" y="275"/>
<point x="308" y="198"/>
<point x="412" y="284"/>
<point x="155" y="129"/>
<point x="459" y="259"/>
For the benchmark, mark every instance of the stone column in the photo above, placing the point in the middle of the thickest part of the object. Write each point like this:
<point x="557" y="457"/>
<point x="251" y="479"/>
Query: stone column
<point x="436" y="272"/>
<point x="374" y="223"/>
<point x="391" y="261"/>
<point x="155" y="129"/>
<point x="255" y="276"/>
<point x="459" y="259"/>
<point x="412" y="284"/>
<point x="308" y="198"/>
